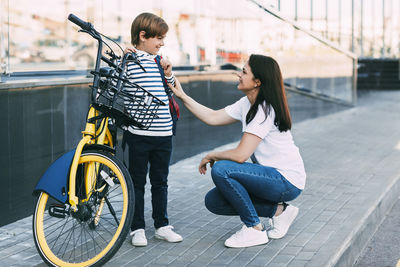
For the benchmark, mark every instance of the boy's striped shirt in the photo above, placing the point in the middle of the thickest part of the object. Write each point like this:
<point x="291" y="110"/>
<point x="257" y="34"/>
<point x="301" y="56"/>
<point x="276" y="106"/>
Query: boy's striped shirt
<point x="152" y="82"/>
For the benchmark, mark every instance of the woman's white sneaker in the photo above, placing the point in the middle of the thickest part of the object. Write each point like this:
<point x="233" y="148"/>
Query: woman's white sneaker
<point x="282" y="222"/>
<point x="139" y="238"/>
<point x="247" y="237"/>
<point x="166" y="233"/>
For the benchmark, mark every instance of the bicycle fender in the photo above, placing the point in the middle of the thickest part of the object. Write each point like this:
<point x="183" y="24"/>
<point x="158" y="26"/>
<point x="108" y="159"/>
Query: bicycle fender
<point x="99" y="147"/>
<point x="54" y="181"/>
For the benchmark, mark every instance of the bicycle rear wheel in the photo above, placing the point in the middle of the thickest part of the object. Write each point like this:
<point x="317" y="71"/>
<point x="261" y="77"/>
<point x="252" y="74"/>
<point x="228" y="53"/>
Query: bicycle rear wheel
<point x="93" y="234"/>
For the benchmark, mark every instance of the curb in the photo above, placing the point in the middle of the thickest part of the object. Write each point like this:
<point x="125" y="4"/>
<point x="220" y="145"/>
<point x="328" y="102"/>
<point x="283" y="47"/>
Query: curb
<point x="355" y="243"/>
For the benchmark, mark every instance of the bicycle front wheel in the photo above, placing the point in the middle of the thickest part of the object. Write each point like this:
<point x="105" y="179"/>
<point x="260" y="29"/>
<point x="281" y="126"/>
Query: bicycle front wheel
<point x="94" y="233"/>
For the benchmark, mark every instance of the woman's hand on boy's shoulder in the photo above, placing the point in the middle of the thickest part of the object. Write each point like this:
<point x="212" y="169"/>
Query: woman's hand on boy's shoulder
<point x="167" y="67"/>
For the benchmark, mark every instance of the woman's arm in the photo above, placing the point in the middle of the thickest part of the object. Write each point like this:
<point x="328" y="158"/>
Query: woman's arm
<point x="240" y="154"/>
<point x="203" y="113"/>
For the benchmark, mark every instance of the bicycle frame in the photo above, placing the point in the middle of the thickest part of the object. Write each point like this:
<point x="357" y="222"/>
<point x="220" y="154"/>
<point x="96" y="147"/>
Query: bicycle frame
<point x="91" y="135"/>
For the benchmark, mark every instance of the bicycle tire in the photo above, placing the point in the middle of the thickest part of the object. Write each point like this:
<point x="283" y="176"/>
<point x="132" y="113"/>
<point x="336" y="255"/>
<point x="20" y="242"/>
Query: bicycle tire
<point x="66" y="238"/>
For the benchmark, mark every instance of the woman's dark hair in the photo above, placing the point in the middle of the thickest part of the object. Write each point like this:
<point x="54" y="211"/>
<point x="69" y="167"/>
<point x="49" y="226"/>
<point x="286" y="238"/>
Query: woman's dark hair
<point x="272" y="91"/>
<point x="153" y="26"/>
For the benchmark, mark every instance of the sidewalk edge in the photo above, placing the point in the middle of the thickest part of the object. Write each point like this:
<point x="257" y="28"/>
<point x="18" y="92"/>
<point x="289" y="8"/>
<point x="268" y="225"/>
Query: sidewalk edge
<point x="354" y="245"/>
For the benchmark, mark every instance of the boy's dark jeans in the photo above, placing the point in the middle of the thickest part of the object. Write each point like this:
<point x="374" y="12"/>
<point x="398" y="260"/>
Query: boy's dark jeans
<point x="153" y="152"/>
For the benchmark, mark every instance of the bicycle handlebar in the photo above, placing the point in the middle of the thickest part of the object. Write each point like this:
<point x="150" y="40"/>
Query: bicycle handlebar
<point x="84" y="25"/>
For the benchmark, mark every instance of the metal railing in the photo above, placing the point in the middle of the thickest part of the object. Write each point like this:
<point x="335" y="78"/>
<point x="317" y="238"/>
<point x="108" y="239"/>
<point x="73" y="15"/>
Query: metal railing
<point x="311" y="63"/>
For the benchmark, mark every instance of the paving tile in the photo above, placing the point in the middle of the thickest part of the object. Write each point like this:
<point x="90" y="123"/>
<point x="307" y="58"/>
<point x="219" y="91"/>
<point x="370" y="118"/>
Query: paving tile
<point x="281" y="260"/>
<point x="290" y="250"/>
<point x="299" y="263"/>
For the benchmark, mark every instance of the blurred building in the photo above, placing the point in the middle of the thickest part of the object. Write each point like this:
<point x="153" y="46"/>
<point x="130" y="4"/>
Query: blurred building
<point x="35" y="35"/>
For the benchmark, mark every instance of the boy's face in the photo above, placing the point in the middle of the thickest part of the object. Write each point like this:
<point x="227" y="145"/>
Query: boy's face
<point x="152" y="45"/>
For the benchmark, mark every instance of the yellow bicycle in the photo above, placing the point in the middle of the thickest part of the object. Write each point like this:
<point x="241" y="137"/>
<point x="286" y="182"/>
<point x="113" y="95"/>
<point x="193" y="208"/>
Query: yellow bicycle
<point x="85" y="199"/>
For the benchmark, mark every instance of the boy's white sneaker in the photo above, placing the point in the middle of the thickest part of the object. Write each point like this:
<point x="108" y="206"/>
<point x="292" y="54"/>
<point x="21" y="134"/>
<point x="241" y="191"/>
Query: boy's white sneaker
<point x="166" y="233"/>
<point x="282" y="222"/>
<point x="247" y="237"/>
<point x="139" y="238"/>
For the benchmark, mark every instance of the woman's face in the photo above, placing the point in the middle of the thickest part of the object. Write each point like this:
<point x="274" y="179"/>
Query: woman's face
<point x="246" y="79"/>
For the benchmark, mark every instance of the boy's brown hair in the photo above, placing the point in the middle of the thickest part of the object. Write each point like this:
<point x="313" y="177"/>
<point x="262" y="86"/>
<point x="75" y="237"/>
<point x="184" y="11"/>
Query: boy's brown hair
<point x="153" y="26"/>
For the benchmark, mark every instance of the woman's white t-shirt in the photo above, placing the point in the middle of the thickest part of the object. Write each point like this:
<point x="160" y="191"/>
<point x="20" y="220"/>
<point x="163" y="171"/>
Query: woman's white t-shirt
<point x="276" y="148"/>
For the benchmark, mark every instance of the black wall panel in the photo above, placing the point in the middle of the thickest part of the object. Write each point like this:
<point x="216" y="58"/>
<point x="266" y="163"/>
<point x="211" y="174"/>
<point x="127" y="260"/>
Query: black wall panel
<point x="40" y="124"/>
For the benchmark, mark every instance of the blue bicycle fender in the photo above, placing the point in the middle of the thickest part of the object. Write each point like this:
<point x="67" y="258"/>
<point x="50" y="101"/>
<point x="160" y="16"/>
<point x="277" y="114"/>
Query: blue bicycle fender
<point x="54" y="181"/>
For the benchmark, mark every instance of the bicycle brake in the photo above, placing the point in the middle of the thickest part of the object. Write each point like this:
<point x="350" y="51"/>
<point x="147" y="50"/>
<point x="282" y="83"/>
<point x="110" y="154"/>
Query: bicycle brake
<point x="133" y="57"/>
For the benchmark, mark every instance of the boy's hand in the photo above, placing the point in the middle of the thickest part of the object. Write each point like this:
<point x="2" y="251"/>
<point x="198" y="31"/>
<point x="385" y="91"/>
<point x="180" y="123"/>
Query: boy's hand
<point x="130" y="49"/>
<point x="167" y="66"/>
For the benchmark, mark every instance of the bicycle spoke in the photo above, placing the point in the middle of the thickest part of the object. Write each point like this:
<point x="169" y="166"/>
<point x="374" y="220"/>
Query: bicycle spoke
<point x="111" y="210"/>
<point x="68" y="240"/>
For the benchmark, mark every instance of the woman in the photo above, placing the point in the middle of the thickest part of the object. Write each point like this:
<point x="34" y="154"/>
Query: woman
<point x="276" y="175"/>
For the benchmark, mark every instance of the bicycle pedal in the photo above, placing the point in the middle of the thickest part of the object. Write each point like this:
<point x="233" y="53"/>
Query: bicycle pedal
<point x="58" y="211"/>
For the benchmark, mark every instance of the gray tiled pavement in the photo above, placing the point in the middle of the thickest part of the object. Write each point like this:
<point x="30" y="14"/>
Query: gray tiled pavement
<point x="351" y="160"/>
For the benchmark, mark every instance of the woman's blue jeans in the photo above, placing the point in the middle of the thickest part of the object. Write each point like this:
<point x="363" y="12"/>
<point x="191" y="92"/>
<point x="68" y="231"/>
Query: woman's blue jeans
<point x="248" y="190"/>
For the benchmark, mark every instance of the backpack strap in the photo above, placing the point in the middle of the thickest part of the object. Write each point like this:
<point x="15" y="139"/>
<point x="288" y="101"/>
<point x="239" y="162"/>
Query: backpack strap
<point x="173" y="105"/>
<point x="164" y="80"/>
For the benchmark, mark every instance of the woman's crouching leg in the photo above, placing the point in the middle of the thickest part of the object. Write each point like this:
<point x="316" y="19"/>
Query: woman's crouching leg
<point x="217" y="204"/>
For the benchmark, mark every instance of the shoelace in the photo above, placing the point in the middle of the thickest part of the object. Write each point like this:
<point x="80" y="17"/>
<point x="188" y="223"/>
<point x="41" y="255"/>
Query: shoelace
<point x="134" y="232"/>
<point x="167" y="227"/>
<point x="239" y="232"/>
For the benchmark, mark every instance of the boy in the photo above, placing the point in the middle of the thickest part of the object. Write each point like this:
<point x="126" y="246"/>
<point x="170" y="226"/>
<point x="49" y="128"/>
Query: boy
<point x="151" y="147"/>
